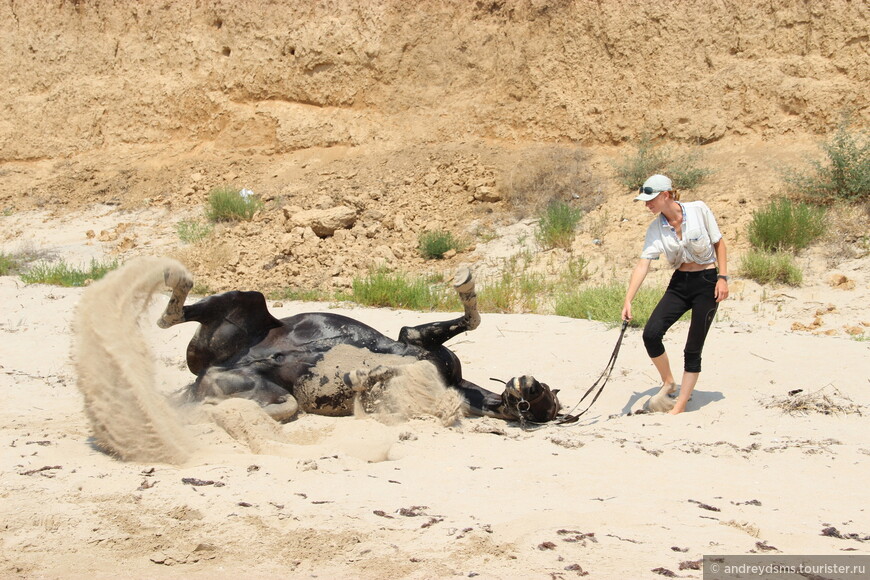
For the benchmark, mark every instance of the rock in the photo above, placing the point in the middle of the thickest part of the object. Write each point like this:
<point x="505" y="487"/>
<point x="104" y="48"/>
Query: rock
<point x="323" y="202"/>
<point x="126" y="244"/>
<point x="385" y="253"/>
<point x="841" y="282"/>
<point x="324" y="222"/>
<point x="161" y="558"/>
<point x="290" y="211"/>
<point x="487" y="194"/>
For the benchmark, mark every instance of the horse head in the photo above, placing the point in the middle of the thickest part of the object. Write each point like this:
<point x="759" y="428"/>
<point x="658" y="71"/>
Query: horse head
<point x="528" y="399"/>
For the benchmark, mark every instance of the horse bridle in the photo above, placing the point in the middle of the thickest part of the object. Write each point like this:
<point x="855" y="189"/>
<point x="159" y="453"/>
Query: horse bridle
<point x="519" y="406"/>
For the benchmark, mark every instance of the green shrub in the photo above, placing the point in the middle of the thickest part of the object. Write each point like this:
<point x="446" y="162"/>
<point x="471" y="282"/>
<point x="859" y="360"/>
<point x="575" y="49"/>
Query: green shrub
<point x="8" y="264"/>
<point x="434" y="244"/>
<point x="843" y="175"/>
<point x="604" y="303"/>
<point x="556" y="225"/>
<point x="651" y="157"/>
<point x="227" y="204"/>
<point x="784" y="225"/>
<point x="547" y="173"/>
<point x="397" y="290"/>
<point x="192" y="231"/>
<point x="62" y="274"/>
<point x="770" y="267"/>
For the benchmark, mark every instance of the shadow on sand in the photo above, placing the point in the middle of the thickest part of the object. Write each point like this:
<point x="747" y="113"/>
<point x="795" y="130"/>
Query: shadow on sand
<point x="699" y="399"/>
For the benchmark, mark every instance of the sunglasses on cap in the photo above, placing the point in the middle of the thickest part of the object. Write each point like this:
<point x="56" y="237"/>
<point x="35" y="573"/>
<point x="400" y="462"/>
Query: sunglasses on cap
<point x="649" y="190"/>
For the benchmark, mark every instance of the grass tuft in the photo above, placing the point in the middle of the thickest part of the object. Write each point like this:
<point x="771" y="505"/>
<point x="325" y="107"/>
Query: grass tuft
<point x="434" y="244"/>
<point x="62" y="274"/>
<point x="604" y="303"/>
<point x="556" y="225"/>
<point x="226" y="204"/>
<point x="300" y="295"/>
<point x="193" y="231"/>
<point x="770" y="267"/>
<point x="397" y="290"/>
<point x="9" y="264"/>
<point x="514" y="291"/>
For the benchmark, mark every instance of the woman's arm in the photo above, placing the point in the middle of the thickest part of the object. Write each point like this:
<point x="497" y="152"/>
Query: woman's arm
<point x="637" y="277"/>
<point x="722" y="263"/>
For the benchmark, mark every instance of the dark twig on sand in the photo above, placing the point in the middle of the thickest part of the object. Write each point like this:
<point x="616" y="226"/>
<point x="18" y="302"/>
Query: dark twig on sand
<point x="41" y="469"/>
<point x="705" y="506"/>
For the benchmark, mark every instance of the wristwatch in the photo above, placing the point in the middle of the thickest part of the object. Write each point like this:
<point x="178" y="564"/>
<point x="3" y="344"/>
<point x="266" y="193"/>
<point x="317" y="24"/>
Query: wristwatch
<point x="723" y="277"/>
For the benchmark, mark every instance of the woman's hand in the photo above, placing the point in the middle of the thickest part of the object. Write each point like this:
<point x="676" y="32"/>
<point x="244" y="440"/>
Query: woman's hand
<point x="721" y="289"/>
<point x="637" y="276"/>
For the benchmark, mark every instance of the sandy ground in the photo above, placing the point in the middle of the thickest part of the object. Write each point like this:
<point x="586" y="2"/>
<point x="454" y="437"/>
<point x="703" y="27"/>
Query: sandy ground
<point x="616" y="495"/>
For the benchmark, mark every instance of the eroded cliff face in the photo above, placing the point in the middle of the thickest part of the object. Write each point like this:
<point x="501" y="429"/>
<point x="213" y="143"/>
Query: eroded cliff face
<point x="411" y="115"/>
<point x="281" y="76"/>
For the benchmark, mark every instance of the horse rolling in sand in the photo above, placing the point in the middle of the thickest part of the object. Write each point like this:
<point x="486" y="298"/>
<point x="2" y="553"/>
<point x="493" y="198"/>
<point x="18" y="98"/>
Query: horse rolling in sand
<point x="241" y="350"/>
<point x="320" y="363"/>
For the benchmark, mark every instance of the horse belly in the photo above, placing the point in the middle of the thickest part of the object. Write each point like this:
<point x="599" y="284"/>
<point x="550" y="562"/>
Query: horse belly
<point x="324" y="391"/>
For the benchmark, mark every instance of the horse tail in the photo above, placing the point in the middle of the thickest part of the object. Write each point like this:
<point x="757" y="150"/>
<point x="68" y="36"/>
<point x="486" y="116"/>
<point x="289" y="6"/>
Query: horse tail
<point x="115" y="368"/>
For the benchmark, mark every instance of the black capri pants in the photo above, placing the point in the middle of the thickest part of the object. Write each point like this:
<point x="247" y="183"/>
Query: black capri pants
<point x="695" y="291"/>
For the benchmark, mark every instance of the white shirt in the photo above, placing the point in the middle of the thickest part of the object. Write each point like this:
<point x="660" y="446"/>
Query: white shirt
<point x="699" y="232"/>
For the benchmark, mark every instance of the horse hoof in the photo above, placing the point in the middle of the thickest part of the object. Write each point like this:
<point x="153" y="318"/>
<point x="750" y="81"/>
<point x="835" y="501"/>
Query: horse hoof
<point x="463" y="281"/>
<point x="176" y="277"/>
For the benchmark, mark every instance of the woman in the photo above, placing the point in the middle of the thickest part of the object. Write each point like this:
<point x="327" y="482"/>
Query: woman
<point x="688" y="236"/>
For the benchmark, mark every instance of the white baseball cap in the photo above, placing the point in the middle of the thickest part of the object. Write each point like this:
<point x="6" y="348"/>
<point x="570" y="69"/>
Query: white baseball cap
<point x="654" y="186"/>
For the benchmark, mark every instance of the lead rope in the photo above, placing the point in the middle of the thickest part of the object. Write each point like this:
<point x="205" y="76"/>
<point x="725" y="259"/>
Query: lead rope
<point x="569" y="418"/>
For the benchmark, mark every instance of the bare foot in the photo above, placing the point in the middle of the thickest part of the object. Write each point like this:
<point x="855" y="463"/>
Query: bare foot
<point x="668" y="389"/>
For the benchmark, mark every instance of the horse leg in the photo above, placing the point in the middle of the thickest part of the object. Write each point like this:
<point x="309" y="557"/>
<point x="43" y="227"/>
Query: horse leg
<point x="463" y="282"/>
<point x="180" y="281"/>
<point x="435" y="334"/>
<point x="364" y="379"/>
<point x="220" y="384"/>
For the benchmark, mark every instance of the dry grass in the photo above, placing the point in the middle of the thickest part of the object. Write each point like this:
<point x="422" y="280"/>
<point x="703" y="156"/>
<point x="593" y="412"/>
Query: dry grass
<point x="848" y="235"/>
<point x="826" y="401"/>
<point x="541" y="175"/>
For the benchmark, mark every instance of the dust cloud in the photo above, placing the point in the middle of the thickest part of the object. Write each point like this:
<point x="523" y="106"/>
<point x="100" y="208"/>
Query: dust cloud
<point x="134" y="421"/>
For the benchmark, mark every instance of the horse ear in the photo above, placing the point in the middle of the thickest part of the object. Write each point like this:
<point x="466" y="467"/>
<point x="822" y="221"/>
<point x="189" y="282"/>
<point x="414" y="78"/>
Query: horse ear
<point x="555" y="391"/>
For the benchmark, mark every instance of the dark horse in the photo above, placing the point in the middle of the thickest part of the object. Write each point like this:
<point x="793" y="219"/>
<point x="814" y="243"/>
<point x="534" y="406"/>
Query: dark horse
<point x="322" y="362"/>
